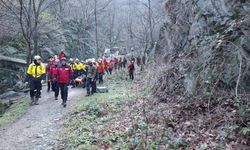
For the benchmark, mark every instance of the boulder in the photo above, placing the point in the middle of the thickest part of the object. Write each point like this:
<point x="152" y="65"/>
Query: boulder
<point x="19" y="86"/>
<point x="9" y="95"/>
<point x="102" y="90"/>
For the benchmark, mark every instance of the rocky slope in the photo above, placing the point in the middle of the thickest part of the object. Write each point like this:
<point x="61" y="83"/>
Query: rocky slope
<point x="204" y="50"/>
<point x="213" y="36"/>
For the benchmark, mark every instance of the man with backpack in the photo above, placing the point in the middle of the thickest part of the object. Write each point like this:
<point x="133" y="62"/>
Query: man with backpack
<point x="54" y="69"/>
<point x="64" y="75"/>
<point x="36" y="75"/>
<point x="91" y="78"/>
<point x="48" y="72"/>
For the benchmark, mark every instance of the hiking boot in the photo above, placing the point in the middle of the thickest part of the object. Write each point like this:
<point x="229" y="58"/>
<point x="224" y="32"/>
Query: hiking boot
<point x="36" y="101"/>
<point x="32" y="101"/>
<point x="64" y="104"/>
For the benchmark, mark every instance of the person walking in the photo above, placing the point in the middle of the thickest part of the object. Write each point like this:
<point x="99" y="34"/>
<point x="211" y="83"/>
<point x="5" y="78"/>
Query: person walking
<point x="54" y="70"/>
<point x="101" y="71"/>
<point x="131" y="69"/>
<point x="124" y="62"/>
<point x="36" y="75"/>
<point x="91" y="76"/>
<point x="48" y="72"/>
<point x="110" y="67"/>
<point x="64" y="75"/>
<point x="62" y="54"/>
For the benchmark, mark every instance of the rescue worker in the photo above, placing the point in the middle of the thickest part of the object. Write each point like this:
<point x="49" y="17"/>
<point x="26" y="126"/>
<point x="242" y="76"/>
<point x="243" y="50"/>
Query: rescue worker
<point x="36" y="75"/>
<point x="62" y="54"/>
<point x="131" y="69"/>
<point x="54" y="79"/>
<point x="120" y="63"/>
<point x="110" y="67"/>
<point x="48" y="72"/>
<point x="124" y="62"/>
<point x="78" y="69"/>
<point x="91" y="76"/>
<point x="73" y="67"/>
<point x="105" y="62"/>
<point x="64" y="75"/>
<point x="96" y="65"/>
<point x="101" y="71"/>
<point x="116" y="62"/>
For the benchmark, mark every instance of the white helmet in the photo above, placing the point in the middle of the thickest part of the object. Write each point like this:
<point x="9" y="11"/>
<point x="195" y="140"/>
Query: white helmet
<point x="37" y="57"/>
<point x="71" y="59"/>
<point x="77" y="59"/>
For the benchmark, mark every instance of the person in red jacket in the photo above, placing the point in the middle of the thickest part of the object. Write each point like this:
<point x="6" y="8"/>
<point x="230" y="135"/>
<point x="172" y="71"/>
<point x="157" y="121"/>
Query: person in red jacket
<point x="54" y="79"/>
<point x="64" y="75"/>
<point x="110" y="67"/>
<point x="62" y="54"/>
<point x="116" y="62"/>
<point x="48" y="72"/>
<point x="105" y="62"/>
<point x="131" y="69"/>
<point x="101" y="71"/>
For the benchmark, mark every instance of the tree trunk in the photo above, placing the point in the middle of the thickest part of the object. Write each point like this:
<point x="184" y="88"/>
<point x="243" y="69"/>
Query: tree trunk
<point x="150" y="24"/>
<point x="96" y="31"/>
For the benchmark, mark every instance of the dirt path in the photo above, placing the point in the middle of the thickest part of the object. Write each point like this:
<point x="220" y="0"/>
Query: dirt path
<point x="38" y="128"/>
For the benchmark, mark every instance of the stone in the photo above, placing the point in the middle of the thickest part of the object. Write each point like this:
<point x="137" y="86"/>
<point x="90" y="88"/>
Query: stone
<point x="102" y="90"/>
<point x="9" y="95"/>
<point x="19" y="86"/>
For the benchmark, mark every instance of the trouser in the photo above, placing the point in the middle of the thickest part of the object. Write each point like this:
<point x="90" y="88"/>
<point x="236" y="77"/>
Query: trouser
<point x="107" y="70"/>
<point x="49" y="82"/>
<point x="55" y="88"/>
<point x="90" y="86"/>
<point x="64" y="91"/>
<point x="101" y="78"/>
<point x="110" y="71"/>
<point x="94" y="87"/>
<point x="35" y="87"/>
<point x="131" y="75"/>
<point x="49" y="85"/>
<point x="116" y="66"/>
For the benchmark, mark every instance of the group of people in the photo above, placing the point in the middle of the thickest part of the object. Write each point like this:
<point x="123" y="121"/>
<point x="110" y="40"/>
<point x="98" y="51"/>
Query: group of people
<point x="61" y="72"/>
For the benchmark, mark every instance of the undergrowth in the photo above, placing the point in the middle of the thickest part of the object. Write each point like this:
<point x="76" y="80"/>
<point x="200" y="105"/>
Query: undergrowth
<point x="14" y="111"/>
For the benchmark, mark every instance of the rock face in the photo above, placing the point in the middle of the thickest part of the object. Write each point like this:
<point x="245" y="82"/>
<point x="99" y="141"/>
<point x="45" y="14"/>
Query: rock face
<point x="102" y="90"/>
<point x="203" y="44"/>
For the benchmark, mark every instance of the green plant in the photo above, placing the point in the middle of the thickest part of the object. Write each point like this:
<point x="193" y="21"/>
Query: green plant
<point x="180" y="143"/>
<point x="14" y="111"/>
<point x="245" y="131"/>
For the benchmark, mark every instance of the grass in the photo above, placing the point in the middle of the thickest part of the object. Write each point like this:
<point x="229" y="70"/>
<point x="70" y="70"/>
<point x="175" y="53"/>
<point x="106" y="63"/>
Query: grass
<point x="14" y="112"/>
<point x="90" y="116"/>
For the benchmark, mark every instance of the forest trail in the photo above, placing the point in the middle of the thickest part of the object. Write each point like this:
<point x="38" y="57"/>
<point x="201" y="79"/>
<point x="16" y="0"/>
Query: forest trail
<point x="38" y="128"/>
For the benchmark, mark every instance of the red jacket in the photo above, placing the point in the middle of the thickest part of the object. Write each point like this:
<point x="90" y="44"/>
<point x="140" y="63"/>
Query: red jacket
<point x="61" y="55"/>
<point x="54" y="73"/>
<point x="116" y="60"/>
<point x="48" y="68"/>
<point x="64" y="74"/>
<point x="105" y="62"/>
<point x="110" y="65"/>
<point x="131" y="67"/>
<point x="101" y="68"/>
